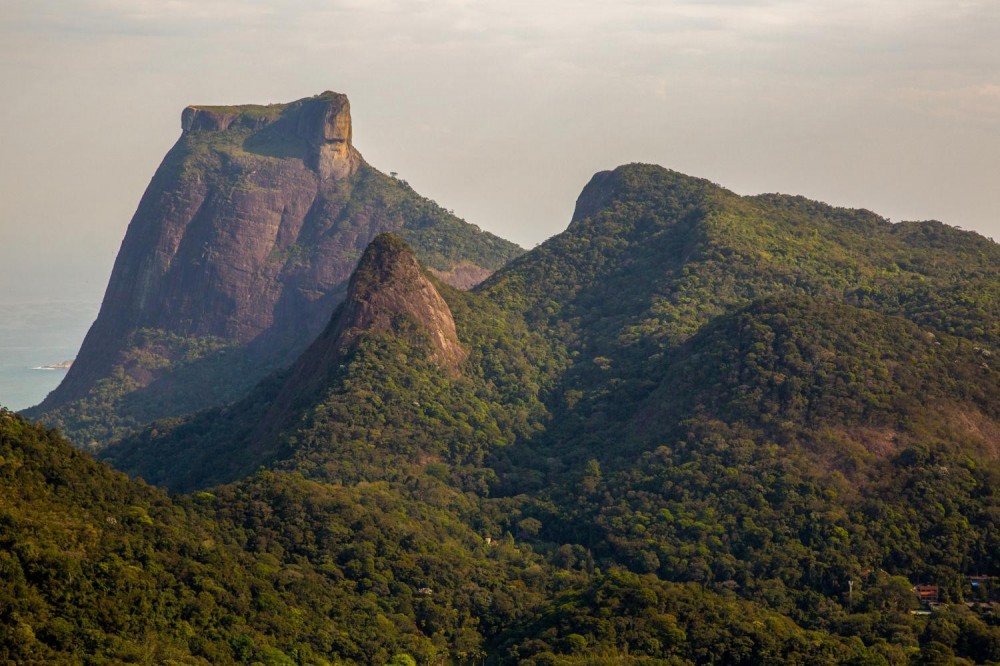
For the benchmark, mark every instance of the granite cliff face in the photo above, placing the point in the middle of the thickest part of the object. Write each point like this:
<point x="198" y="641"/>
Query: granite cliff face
<point x="240" y="248"/>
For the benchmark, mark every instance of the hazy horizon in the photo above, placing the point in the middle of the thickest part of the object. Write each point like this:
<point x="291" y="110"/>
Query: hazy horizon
<point x="502" y="113"/>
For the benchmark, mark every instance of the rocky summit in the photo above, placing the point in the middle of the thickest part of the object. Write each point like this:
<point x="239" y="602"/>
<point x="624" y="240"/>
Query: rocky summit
<point x="388" y="284"/>
<point x="388" y="294"/>
<point x="323" y="123"/>
<point x="391" y="303"/>
<point x="241" y="247"/>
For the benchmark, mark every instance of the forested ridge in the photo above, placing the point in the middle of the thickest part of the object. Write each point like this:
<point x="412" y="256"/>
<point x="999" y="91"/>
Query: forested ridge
<point x="693" y="428"/>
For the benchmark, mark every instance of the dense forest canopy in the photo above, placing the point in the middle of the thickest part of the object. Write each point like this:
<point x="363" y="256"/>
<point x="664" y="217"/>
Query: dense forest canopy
<point x="693" y="428"/>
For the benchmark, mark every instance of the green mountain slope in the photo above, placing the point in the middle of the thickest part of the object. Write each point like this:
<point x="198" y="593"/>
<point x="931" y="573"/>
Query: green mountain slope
<point x="731" y="430"/>
<point x="653" y="257"/>
<point x="274" y="570"/>
<point x="764" y="394"/>
<point x="100" y="566"/>
<point x="796" y="442"/>
<point x="278" y="569"/>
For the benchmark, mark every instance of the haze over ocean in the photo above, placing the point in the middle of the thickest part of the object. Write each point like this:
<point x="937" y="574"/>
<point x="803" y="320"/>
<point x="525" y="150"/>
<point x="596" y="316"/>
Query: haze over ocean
<point x="36" y="334"/>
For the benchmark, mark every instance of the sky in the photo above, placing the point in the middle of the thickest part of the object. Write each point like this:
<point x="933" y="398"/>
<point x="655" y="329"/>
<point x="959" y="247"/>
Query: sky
<point x="501" y="111"/>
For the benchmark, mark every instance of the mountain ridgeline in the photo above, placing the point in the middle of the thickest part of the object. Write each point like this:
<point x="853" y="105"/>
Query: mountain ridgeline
<point x="240" y="248"/>
<point x="694" y="427"/>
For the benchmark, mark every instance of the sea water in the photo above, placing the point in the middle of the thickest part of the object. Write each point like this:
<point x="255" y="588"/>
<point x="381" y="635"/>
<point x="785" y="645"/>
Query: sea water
<point x="36" y="335"/>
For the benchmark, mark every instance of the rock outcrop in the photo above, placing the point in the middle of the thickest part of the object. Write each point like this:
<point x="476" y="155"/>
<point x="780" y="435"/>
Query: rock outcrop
<point x="242" y="245"/>
<point x="391" y="301"/>
<point x="388" y="283"/>
<point x="322" y="122"/>
<point x="388" y="288"/>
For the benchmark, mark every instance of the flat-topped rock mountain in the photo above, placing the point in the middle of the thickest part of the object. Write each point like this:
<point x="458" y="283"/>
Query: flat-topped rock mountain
<point x="240" y="249"/>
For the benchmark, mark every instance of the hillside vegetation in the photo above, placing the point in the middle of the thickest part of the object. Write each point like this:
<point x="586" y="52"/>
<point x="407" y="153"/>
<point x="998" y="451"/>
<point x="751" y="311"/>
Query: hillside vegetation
<point x="693" y="428"/>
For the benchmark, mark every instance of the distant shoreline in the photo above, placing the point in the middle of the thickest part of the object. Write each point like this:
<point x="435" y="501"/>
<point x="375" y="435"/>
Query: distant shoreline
<point x="64" y="365"/>
<point x="35" y="336"/>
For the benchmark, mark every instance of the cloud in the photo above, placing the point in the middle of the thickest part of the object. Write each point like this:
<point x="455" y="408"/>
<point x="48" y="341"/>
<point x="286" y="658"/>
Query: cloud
<point x="708" y="26"/>
<point x="138" y="17"/>
<point x="659" y="80"/>
<point x="978" y="103"/>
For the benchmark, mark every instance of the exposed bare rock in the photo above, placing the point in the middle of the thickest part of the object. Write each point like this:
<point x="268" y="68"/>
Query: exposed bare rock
<point x="465" y="275"/>
<point x="387" y="285"/>
<point x="243" y="243"/>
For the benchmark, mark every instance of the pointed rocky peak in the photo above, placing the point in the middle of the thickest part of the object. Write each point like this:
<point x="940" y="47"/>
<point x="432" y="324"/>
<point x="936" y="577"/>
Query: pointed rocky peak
<point x="596" y="195"/>
<point x="389" y="282"/>
<point x="241" y="247"/>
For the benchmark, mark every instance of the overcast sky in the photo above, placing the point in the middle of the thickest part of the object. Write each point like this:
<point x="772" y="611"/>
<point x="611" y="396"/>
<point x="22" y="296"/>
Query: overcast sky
<point x="501" y="111"/>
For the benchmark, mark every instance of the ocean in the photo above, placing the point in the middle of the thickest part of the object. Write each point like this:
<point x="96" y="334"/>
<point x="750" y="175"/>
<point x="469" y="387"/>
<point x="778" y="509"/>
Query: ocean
<point x="35" y="335"/>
